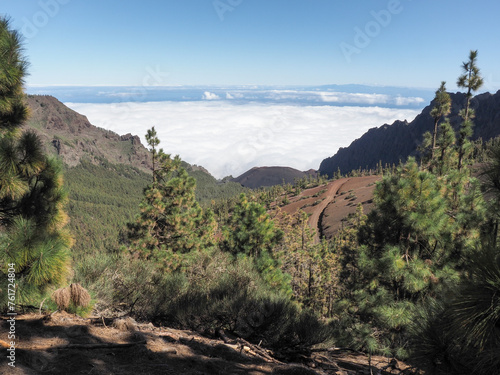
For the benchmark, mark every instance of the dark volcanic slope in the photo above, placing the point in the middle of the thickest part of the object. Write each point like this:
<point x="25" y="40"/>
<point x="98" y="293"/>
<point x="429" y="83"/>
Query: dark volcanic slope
<point x="270" y="176"/>
<point x="392" y="143"/>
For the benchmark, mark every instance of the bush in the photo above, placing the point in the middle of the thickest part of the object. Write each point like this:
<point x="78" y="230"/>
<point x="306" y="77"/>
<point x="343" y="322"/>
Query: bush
<point x="214" y="291"/>
<point x="462" y="334"/>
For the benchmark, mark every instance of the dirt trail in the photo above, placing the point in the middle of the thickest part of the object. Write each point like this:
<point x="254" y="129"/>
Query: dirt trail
<point x="332" y="191"/>
<point x="61" y="344"/>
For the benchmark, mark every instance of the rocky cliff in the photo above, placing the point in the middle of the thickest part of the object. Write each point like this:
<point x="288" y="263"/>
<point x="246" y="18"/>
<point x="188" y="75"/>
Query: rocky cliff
<point x="72" y="137"/>
<point x="392" y="143"/>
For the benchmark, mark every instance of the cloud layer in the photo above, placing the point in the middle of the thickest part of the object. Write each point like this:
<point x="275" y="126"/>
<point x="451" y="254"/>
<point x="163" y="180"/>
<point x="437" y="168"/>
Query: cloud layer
<point x="229" y="139"/>
<point x="333" y="95"/>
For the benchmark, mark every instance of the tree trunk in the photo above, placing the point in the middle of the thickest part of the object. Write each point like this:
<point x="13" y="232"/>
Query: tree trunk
<point x="434" y="136"/>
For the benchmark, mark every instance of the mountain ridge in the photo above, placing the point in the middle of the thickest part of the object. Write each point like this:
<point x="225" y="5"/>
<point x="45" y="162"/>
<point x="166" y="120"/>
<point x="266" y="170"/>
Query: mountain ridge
<point x="268" y="176"/>
<point x="390" y="144"/>
<point x="70" y="136"/>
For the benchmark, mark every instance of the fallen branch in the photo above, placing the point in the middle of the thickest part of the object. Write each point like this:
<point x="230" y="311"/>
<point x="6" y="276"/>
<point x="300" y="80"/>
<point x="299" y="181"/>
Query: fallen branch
<point x="225" y="337"/>
<point x="340" y="350"/>
<point x="102" y="345"/>
<point x="255" y="350"/>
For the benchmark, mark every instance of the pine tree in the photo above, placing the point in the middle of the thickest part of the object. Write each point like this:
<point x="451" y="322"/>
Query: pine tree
<point x="153" y="141"/>
<point x="300" y="258"/>
<point x="491" y="174"/>
<point x="459" y="334"/>
<point x="250" y="232"/>
<point x="472" y="81"/>
<point x="461" y="330"/>
<point x="445" y="144"/>
<point x="250" y="229"/>
<point x="32" y="197"/>
<point x="441" y="109"/>
<point x="171" y="222"/>
<point x="416" y="242"/>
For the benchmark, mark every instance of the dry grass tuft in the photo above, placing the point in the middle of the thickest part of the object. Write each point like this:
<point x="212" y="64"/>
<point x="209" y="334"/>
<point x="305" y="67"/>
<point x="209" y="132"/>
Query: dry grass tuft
<point x="74" y="293"/>
<point x="79" y="295"/>
<point x="62" y="297"/>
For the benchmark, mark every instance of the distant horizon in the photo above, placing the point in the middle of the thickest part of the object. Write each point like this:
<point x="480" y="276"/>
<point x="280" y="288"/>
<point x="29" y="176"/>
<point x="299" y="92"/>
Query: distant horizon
<point x="328" y="94"/>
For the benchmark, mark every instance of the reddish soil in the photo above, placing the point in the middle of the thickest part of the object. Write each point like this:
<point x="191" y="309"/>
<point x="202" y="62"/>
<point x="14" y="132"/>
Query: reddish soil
<point x="65" y="344"/>
<point x="328" y="205"/>
<point x="355" y="191"/>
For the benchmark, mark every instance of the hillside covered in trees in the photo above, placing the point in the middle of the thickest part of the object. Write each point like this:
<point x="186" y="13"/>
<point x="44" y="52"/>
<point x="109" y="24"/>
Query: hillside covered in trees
<point x="417" y="279"/>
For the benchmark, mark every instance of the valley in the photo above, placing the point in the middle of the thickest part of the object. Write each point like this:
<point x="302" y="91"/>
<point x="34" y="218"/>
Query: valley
<point x="118" y="257"/>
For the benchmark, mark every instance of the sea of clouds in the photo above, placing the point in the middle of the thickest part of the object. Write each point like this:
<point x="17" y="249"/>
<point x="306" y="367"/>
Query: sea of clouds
<point x="229" y="130"/>
<point x="229" y="139"/>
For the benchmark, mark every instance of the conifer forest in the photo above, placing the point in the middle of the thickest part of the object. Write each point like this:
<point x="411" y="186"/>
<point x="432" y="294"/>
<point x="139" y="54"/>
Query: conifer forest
<point x="415" y="277"/>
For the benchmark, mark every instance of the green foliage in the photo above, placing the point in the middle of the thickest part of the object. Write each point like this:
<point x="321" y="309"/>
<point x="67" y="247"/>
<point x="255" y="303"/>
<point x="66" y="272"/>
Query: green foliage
<point x="491" y="177"/>
<point x="171" y="222"/>
<point x="153" y="142"/>
<point x="470" y="78"/>
<point x="251" y="233"/>
<point x="472" y="81"/>
<point x="102" y="199"/>
<point x="32" y="197"/>
<point x="446" y="157"/>
<point x="307" y="263"/>
<point x="441" y="109"/>
<point x="475" y="312"/>
<point x="460" y="334"/>
<point x="41" y="259"/>
<point x="414" y="244"/>
<point x="213" y="292"/>
<point x="210" y="191"/>
<point x="250" y="230"/>
<point x="13" y="69"/>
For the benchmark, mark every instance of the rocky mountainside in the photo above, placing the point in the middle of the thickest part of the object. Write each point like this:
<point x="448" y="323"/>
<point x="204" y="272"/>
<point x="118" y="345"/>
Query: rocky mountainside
<point x="70" y="135"/>
<point x="392" y="143"/>
<point x="269" y="176"/>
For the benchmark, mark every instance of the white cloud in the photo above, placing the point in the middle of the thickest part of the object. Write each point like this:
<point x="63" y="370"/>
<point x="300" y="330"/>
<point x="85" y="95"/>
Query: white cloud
<point x="229" y="139"/>
<point x="207" y="95"/>
<point x="343" y="97"/>
<point x="402" y="100"/>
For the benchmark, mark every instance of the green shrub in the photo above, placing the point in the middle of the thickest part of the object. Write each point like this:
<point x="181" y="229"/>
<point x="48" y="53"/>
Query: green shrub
<point x="461" y="334"/>
<point x="214" y="291"/>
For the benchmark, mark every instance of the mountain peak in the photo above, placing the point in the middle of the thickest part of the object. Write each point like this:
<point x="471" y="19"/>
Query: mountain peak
<point x="269" y="176"/>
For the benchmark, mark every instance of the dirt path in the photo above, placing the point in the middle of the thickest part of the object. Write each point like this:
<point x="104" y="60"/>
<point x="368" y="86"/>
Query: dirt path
<point x="332" y="191"/>
<point x="61" y="344"/>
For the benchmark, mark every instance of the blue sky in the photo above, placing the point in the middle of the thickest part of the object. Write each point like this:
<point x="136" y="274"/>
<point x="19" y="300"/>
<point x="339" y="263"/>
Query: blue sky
<point x="266" y="42"/>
